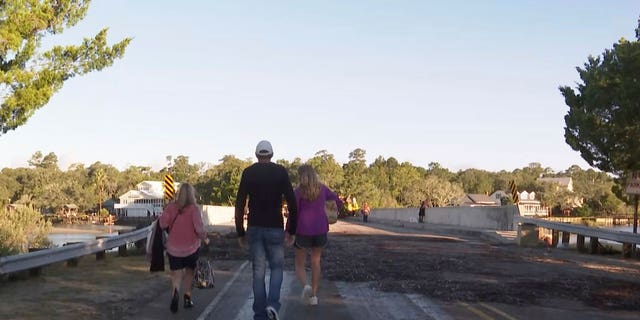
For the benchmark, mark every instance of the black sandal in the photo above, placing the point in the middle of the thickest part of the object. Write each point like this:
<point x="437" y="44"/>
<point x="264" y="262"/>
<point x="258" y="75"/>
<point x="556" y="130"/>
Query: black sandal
<point x="187" y="302"/>
<point x="174" y="301"/>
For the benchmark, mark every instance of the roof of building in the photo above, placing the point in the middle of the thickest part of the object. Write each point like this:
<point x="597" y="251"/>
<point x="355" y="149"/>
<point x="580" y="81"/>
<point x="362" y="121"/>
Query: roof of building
<point x="148" y="189"/>
<point x="563" y="181"/>
<point x="477" y="199"/>
<point x="481" y="198"/>
<point x="499" y="193"/>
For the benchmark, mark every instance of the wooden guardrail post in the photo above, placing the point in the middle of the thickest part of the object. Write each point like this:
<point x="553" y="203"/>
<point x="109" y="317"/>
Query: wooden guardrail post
<point x="626" y="250"/>
<point x="528" y="235"/>
<point x="555" y="234"/>
<point x="566" y="236"/>
<point x="580" y="243"/>
<point x="34" y="272"/>
<point x="73" y="262"/>
<point x="593" y="245"/>
<point x="122" y="250"/>
<point x="100" y="255"/>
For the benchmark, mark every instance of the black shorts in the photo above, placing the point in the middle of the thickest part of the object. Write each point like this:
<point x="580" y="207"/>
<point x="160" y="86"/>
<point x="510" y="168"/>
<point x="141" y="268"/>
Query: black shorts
<point x="177" y="263"/>
<point x="306" y="242"/>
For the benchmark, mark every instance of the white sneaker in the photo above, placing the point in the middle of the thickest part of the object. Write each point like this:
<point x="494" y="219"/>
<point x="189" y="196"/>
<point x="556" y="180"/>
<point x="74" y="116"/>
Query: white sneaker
<point x="313" y="301"/>
<point x="306" y="293"/>
<point x="272" y="314"/>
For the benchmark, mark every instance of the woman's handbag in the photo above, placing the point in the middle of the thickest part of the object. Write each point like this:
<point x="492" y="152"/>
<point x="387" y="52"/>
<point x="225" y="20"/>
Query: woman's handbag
<point x="331" y="210"/>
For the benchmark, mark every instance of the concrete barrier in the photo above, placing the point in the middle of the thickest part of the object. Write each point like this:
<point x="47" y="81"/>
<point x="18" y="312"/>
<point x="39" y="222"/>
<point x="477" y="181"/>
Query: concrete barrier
<point x="494" y="217"/>
<point x="215" y="215"/>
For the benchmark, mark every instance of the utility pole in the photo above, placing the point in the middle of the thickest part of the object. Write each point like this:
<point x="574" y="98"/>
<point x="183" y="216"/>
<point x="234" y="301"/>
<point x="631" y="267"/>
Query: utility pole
<point x="635" y="215"/>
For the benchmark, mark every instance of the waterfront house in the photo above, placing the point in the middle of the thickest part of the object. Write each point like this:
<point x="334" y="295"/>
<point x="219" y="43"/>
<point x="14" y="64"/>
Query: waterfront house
<point x="476" y="200"/>
<point x="146" y="200"/>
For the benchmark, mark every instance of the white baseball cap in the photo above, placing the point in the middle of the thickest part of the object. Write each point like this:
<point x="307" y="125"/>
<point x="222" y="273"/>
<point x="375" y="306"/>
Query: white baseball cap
<point x="264" y="148"/>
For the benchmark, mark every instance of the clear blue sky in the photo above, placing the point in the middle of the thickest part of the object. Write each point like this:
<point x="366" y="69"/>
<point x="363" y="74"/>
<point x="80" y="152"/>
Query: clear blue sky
<point x="463" y="83"/>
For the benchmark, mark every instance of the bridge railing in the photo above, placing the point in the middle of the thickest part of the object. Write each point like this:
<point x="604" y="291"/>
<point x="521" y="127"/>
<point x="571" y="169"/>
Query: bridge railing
<point x="42" y="258"/>
<point x="618" y="236"/>
<point x="627" y="239"/>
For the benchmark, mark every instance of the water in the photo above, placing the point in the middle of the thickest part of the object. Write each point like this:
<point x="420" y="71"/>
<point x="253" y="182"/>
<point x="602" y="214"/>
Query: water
<point x="621" y="228"/>
<point x="62" y="234"/>
<point x="573" y="238"/>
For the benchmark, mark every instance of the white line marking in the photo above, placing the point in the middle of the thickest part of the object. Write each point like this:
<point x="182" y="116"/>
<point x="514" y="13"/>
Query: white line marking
<point x="224" y="290"/>
<point x="428" y="306"/>
<point x="288" y="278"/>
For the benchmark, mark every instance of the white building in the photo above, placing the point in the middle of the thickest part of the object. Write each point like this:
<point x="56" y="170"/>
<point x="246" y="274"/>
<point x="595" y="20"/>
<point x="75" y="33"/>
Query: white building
<point x="146" y="200"/>
<point x="529" y="206"/>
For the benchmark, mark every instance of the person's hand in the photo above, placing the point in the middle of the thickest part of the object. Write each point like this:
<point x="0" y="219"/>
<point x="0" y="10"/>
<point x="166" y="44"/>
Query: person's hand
<point x="206" y="241"/>
<point x="242" y="241"/>
<point x="289" y="239"/>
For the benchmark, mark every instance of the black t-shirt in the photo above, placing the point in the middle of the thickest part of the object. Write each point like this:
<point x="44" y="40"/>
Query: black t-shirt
<point x="265" y="184"/>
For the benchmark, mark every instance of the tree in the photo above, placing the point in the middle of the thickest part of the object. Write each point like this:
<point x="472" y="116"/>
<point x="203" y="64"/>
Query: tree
<point x="292" y="168"/>
<point x="183" y="171"/>
<point x="603" y="122"/>
<point x="99" y="180"/>
<point x="442" y="192"/>
<point x="355" y="177"/>
<point x="220" y="184"/>
<point x="436" y="169"/>
<point x="28" y="79"/>
<point x="475" y="181"/>
<point x="328" y="169"/>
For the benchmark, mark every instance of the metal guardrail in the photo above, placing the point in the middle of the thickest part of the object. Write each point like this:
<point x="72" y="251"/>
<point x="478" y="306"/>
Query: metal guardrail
<point x="619" y="236"/>
<point x="41" y="258"/>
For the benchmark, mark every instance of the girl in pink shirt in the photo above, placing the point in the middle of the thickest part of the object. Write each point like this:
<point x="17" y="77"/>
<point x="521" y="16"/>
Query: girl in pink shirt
<point x="186" y="230"/>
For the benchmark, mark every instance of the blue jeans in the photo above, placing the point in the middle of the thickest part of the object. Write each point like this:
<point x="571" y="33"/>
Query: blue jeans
<point x="266" y="244"/>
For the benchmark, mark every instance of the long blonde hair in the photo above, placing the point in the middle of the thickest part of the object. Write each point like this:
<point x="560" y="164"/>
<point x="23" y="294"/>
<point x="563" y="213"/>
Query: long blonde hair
<point x="186" y="196"/>
<point x="309" y="182"/>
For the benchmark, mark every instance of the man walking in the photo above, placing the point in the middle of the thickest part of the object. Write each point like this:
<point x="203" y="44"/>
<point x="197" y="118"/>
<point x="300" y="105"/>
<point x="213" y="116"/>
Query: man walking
<point x="265" y="183"/>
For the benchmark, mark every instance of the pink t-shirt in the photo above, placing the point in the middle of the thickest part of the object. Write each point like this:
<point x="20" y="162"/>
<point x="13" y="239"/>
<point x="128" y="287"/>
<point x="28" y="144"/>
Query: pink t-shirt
<point x="187" y="229"/>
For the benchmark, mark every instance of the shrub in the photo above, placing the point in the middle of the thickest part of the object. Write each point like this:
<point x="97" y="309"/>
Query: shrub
<point x="103" y="213"/>
<point x="22" y="228"/>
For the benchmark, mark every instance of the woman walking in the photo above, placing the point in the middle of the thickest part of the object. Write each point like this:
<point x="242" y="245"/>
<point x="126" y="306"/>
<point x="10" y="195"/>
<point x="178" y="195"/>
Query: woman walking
<point x="312" y="229"/>
<point x="183" y="220"/>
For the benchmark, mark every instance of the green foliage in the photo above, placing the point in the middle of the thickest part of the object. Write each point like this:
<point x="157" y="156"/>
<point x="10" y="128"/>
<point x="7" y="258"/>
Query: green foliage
<point x="28" y="78"/>
<point x="383" y="183"/>
<point x="328" y="169"/>
<point x="22" y="228"/>
<point x="476" y="181"/>
<point x="582" y="212"/>
<point x="219" y="185"/>
<point x="103" y="213"/>
<point x="603" y="122"/>
<point x="183" y="171"/>
<point x="552" y="195"/>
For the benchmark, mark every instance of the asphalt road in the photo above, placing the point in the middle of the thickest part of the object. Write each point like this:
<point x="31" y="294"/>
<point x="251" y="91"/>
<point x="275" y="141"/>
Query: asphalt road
<point x="231" y="299"/>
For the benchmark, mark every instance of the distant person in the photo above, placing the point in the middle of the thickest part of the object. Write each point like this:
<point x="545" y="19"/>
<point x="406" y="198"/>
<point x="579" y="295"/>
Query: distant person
<point x="265" y="183"/>
<point x="365" y="212"/>
<point x="312" y="229"/>
<point x="354" y="206"/>
<point x="183" y="220"/>
<point x="422" y="211"/>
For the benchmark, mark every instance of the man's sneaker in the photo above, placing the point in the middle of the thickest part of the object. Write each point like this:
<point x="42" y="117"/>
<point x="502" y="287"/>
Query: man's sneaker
<point x="272" y="314"/>
<point x="306" y="293"/>
<point x="313" y="301"/>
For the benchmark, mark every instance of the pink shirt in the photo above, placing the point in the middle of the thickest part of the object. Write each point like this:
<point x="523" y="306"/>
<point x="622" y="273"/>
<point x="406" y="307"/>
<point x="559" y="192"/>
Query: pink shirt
<point x="187" y="230"/>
